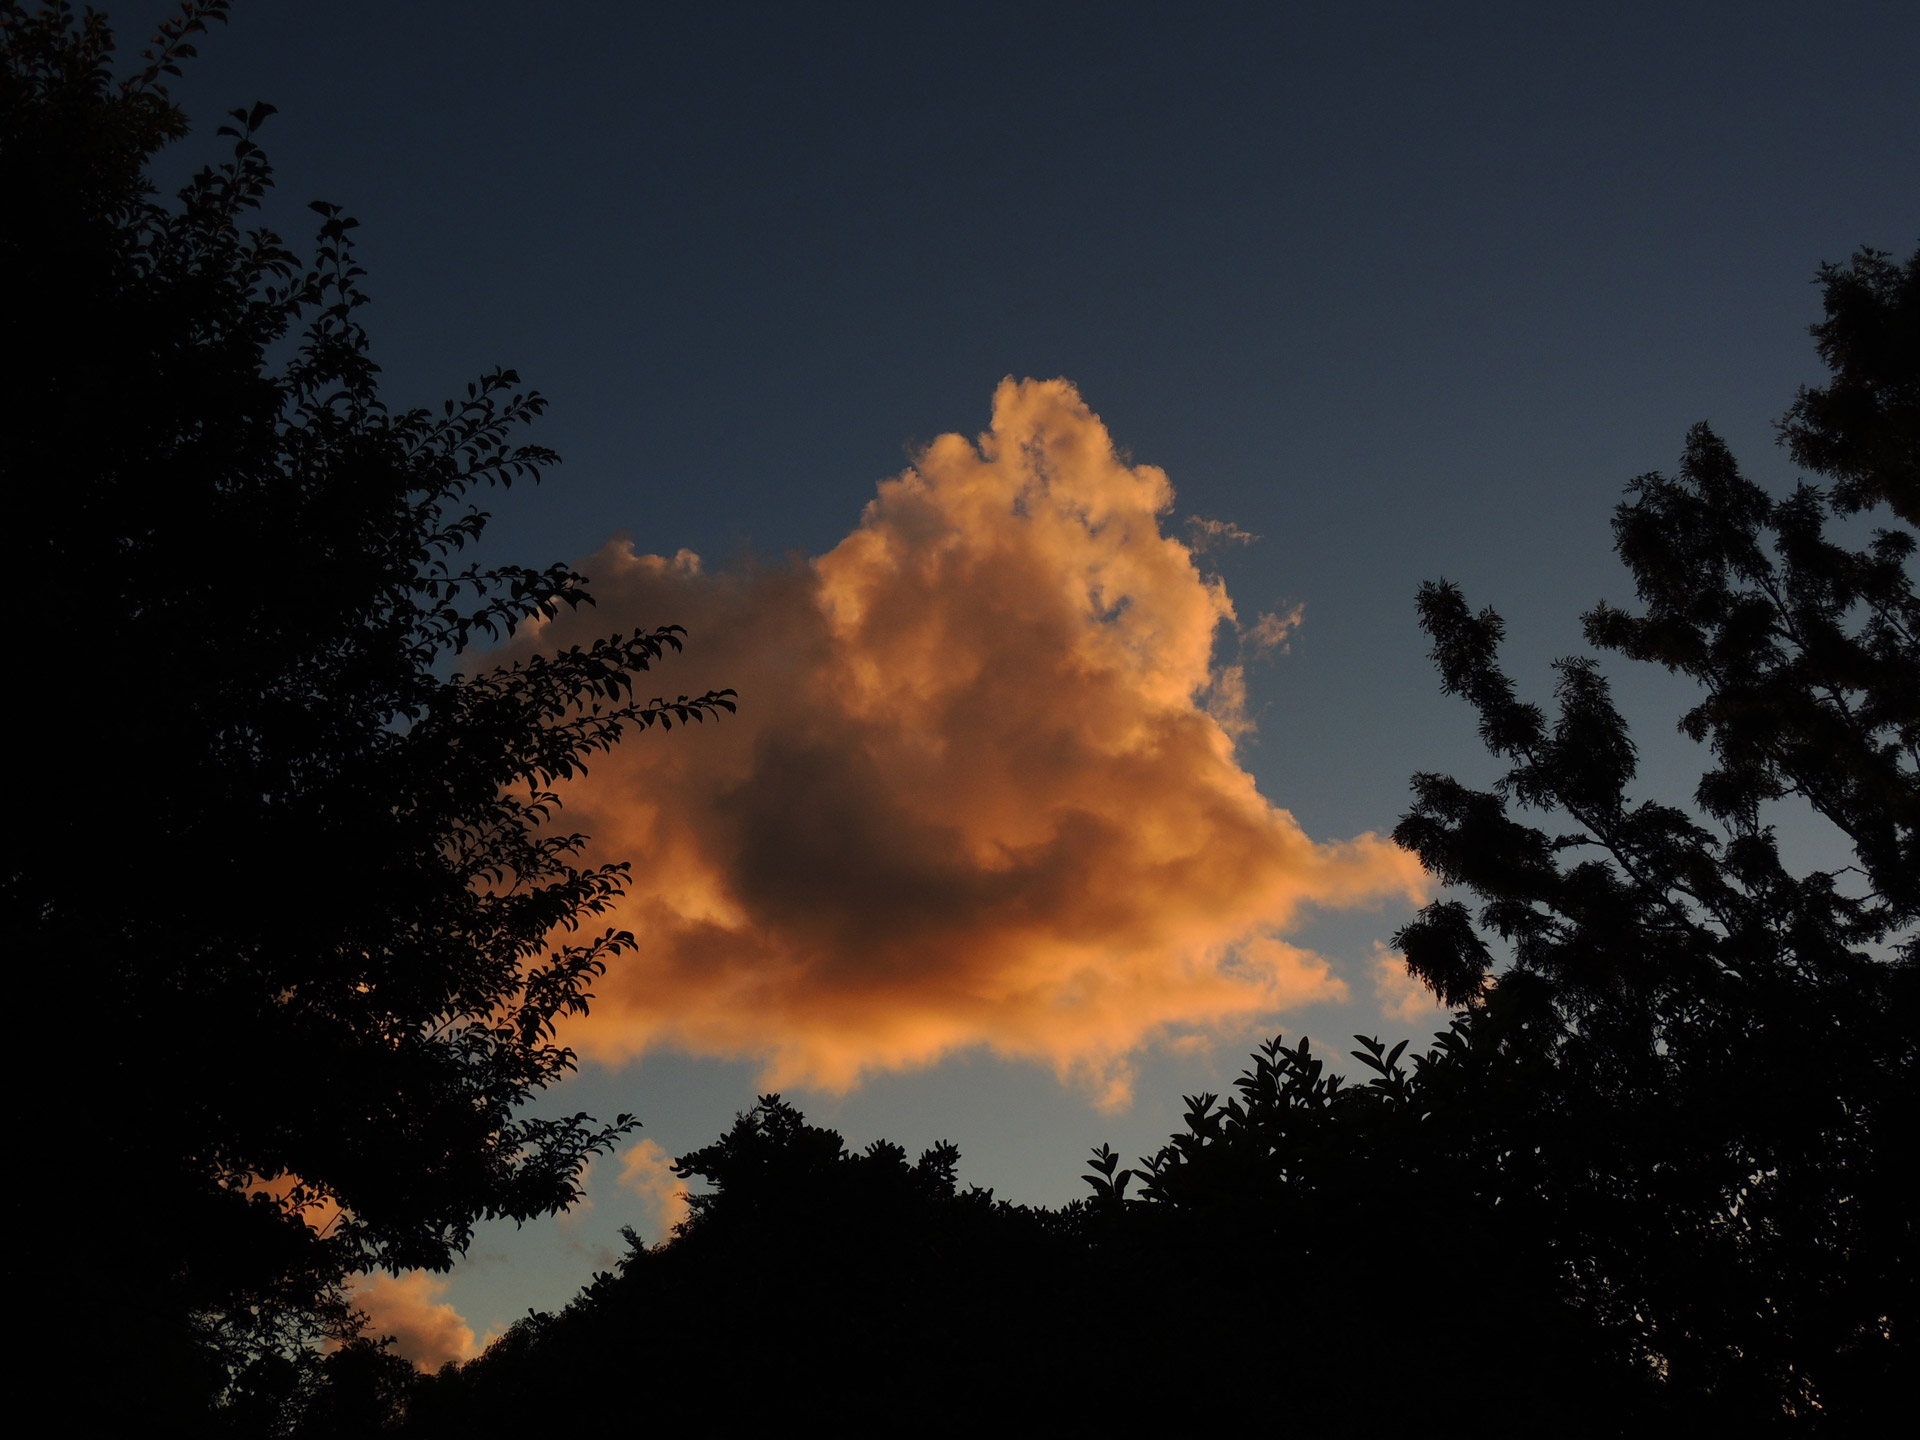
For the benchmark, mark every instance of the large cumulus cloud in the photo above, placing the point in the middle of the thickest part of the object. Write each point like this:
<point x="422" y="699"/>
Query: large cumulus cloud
<point x="981" y="790"/>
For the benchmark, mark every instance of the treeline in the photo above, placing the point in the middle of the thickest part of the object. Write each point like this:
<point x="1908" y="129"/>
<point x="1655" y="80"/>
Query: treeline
<point x="878" y="1294"/>
<point x="1661" y="1152"/>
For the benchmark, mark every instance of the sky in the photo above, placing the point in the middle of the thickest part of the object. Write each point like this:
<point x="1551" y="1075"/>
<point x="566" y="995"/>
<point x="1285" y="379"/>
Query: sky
<point x="1043" y="416"/>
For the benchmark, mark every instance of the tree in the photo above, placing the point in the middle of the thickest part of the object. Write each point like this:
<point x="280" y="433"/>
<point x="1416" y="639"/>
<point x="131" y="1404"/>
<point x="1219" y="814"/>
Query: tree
<point x="1723" y="1049"/>
<point x="808" y="1276"/>
<point x="291" y="883"/>
<point x="1665" y="1137"/>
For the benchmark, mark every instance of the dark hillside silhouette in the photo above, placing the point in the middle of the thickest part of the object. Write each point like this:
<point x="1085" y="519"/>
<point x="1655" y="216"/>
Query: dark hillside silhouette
<point x="292" y="886"/>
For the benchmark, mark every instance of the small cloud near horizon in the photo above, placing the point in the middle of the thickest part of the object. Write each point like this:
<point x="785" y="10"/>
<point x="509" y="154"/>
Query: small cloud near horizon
<point x="981" y="792"/>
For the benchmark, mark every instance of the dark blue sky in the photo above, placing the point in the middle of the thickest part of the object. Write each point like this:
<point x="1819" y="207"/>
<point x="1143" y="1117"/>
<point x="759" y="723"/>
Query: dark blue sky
<point x="1407" y="290"/>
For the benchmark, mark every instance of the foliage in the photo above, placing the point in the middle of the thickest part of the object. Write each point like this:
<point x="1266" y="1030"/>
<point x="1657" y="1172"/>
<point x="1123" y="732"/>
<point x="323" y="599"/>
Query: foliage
<point x="809" y="1277"/>
<point x="1723" y="1047"/>
<point x="815" y="1277"/>
<point x="301" y="878"/>
<point x="1863" y="428"/>
<point x="773" y="1167"/>
<point x="1666" y="1133"/>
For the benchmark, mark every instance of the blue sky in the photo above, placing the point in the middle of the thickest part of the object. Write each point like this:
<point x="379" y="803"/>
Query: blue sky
<point x="1407" y="291"/>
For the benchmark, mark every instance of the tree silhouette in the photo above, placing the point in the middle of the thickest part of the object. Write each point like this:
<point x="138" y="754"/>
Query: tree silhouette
<point x="1719" y="1051"/>
<point x="296" y="879"/>
<point x="1665" y="1135"/>
<point x="811" y="1277"/>
<point x="815" y="1277"/>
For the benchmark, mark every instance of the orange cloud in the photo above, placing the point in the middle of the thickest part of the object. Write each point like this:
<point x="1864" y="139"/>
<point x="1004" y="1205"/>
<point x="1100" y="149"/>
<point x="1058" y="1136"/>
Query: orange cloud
<point x="1402" y="997"/>
<point x="425" y="1329"/>
<point x="981" y="790"/>
<point x="647" y="1171"/>
<point x="1272" y="631"/>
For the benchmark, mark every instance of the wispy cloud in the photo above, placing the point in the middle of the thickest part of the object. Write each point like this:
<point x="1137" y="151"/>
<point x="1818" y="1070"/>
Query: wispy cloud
<point x="1272" y="631"/>
<point x="981" y="791"/>
<point x="1204" y="535"/>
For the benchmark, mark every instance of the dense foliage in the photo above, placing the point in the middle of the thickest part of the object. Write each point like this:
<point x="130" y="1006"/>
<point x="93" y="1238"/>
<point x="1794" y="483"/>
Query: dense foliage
<point x="298" y="880"/>
<point x="1730" y="1057"/>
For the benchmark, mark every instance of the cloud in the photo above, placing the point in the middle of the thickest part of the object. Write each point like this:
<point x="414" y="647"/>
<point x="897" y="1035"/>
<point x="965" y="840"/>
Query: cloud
<point x="1226" y="702"/>
<point x="1272" y="631"/>
<point x="981" y="790"/>
<point x="425" y="1329"/>
<point x="647" y="1171"/>
<point x="1214" y="534"/>
<point x="1403" y="998"/>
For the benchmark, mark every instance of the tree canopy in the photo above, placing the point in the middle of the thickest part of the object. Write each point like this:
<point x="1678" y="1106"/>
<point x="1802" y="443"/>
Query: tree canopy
<point x="299" y="876"/>
<point x="1728" y="1044"/>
